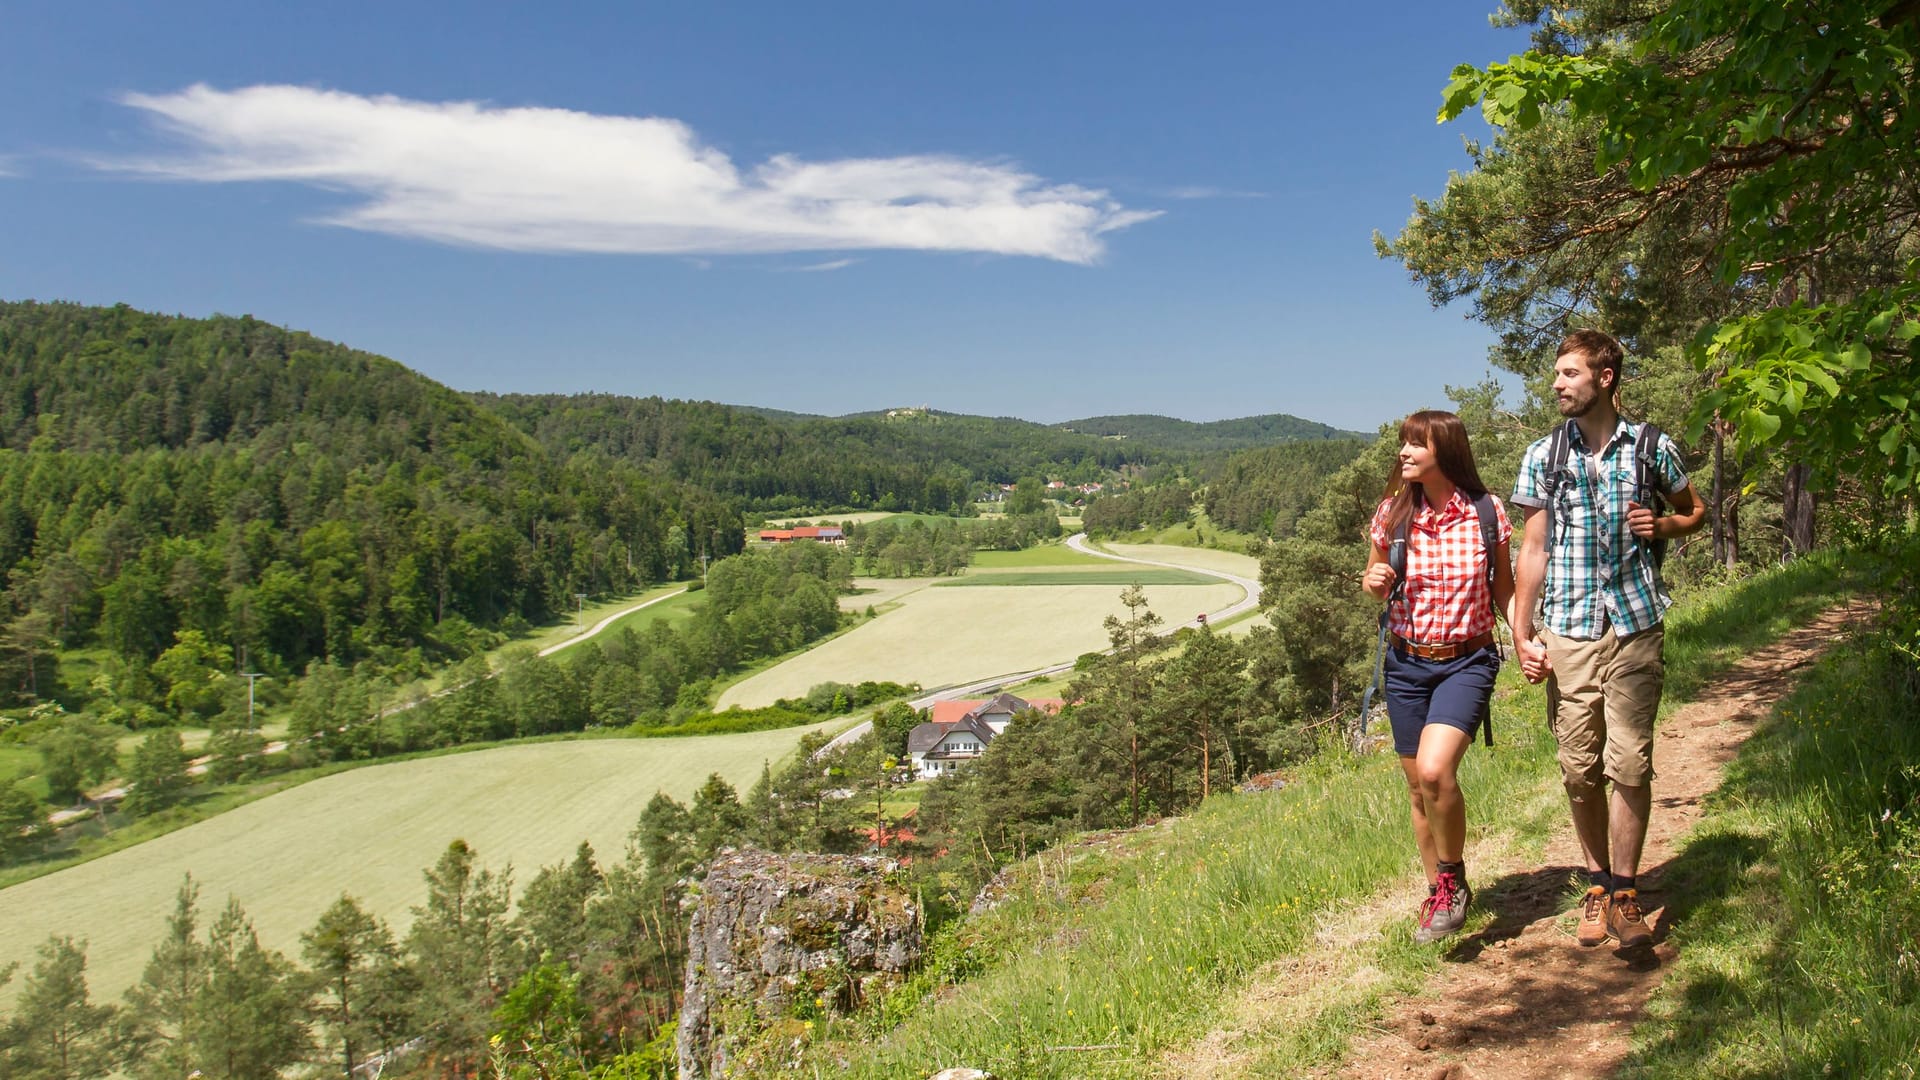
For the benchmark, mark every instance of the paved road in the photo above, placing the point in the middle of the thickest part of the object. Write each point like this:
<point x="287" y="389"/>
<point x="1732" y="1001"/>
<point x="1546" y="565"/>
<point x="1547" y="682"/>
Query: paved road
<point x="1078" y="542"/>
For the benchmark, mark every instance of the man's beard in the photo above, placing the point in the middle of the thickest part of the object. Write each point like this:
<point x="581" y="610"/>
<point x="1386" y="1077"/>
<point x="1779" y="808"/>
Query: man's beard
<point x="1576" y="407"/>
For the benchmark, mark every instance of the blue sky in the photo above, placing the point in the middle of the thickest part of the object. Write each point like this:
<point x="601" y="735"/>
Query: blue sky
<point x="1044" y="210"/>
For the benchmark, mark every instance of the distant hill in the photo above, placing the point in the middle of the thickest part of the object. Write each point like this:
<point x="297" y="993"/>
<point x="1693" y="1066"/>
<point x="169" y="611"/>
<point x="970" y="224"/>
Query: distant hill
<point x="775" y="462"/>
<point x="1243" y="434"/>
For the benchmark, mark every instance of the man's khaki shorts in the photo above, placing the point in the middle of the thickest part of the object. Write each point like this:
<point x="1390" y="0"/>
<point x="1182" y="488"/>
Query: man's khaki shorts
<point x="1601" y="697"/>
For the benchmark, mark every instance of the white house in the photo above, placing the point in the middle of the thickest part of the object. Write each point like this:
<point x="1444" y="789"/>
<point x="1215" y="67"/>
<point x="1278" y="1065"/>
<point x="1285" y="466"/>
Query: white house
<point x="960" y="731"/>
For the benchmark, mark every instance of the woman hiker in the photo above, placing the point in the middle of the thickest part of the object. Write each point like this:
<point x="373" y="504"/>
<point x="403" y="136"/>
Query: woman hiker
<point x="1441" y="658"/>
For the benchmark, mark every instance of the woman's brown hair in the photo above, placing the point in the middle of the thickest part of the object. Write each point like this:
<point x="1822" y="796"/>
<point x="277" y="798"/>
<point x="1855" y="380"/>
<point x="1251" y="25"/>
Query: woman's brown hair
<point x="1444" y="434"/>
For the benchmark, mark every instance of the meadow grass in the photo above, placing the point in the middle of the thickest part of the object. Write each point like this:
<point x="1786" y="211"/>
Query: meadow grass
<point x="1039" y="555"/>
<point x="1796" y="901"/>
<point x="370" y="831"/>
<point x="1125" y="949"/>
<point x="942" y="637"/>
<point x="1198" y="531"/>
<point x="1145" y="575"/>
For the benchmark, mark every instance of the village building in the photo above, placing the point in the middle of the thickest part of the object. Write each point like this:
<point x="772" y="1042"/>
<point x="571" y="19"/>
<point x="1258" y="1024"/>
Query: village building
<point x="826" y="534"/>
<point x="959" y="731"/>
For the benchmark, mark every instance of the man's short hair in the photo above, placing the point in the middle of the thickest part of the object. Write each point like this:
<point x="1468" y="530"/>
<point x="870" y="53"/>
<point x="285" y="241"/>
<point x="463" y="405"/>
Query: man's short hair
<point x="1602" y="351"/>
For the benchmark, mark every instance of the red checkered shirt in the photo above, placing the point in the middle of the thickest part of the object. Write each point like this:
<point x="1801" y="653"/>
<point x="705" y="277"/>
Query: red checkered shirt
<point x="1446" y="597"/>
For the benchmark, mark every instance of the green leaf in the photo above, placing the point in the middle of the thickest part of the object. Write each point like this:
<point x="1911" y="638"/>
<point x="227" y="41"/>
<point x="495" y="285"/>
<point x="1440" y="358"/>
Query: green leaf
<point x="1765" y="424"/>
<point x="1898" y="401"/>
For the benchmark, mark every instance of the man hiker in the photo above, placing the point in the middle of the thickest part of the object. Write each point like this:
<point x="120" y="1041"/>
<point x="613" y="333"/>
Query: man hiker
<point x="1593" y="543"/>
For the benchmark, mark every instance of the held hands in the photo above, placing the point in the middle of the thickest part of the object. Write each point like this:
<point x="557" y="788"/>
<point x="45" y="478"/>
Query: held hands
<point x="1378" y="580"/>
<point x="1533" y="659"/>
<point x="1640" y="521"/>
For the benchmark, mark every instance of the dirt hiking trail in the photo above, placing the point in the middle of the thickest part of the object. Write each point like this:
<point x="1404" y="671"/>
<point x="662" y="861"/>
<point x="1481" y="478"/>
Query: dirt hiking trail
<point x="1519" y="999"/>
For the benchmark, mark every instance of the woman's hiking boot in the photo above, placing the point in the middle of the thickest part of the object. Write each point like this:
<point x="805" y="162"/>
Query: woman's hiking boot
<point x="1625" y="923"/>
<point x="1593" y="918"/>
<point x="1445" y="908"/>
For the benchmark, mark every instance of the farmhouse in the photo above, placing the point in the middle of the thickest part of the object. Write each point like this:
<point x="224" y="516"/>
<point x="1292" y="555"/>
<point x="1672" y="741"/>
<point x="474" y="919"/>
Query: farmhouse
<point x="960" y="731"/>
<point x="829" y="534"/>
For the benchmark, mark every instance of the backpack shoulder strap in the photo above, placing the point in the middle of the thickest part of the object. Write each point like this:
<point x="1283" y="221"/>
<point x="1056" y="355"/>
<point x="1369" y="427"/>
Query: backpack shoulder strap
<point x="1397" y="559"/>
<point x="1559" y="446"/>
<point x="1489" y="538"/>
<point x="1646" y="464"/>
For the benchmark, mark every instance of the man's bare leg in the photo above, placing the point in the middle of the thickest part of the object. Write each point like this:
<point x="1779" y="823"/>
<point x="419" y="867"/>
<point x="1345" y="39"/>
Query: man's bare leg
<point x="1590" y="824"/>
<point x="1631" y="808"/>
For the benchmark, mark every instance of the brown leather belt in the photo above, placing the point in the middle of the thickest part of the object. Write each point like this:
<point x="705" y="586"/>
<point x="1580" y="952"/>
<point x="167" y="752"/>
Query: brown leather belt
<point x="1441" y="650"/>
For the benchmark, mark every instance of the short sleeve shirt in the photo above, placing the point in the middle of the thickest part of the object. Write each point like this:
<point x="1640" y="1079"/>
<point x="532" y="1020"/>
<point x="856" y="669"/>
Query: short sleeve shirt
<point x="1598" y="572"/>
<point x="1446" y="596"/>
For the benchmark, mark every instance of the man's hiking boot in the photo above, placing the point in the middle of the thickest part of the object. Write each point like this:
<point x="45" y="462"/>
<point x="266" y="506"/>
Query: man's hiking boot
<point x="1445" y="908"/>
<point x="1593" y="918"/>
<point x="1625" y="923"/>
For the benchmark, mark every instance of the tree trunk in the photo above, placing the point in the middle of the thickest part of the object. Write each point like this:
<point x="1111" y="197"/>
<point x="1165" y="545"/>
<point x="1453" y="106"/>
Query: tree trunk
<point x="1719" y="492"/>
<point x="1796" y="507"/>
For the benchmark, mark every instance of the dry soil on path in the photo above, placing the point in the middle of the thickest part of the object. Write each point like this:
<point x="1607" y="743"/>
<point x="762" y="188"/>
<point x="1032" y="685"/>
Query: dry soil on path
<point x="1520" y="999"/>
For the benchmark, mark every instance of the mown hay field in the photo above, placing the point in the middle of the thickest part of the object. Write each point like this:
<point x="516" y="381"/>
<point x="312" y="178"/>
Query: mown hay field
<point x="939" y="637"/>
<point x="369" y="832"/>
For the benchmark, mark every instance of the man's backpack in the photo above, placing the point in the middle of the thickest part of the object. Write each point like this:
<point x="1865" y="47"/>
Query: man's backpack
<point x="1397" y="560"/>
<point x="1646" y="475"/>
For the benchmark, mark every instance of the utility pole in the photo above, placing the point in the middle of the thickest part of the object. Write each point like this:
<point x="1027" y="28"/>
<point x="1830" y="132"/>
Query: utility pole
<point x="579" y="609"/>
<point x="251" y="677"/>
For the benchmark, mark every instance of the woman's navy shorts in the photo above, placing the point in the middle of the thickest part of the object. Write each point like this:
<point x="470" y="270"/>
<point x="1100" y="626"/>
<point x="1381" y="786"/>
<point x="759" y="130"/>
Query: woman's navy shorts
<point x="1454" y="692"/>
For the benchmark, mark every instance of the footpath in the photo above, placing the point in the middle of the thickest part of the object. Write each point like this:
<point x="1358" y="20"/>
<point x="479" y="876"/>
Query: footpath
<point x="1519" y="999"/>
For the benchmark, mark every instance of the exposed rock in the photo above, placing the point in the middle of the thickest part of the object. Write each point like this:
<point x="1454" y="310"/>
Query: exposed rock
<point x="777" y="939"/>
<point x="961" y="1074"/>
<point x="1266" y="781"/>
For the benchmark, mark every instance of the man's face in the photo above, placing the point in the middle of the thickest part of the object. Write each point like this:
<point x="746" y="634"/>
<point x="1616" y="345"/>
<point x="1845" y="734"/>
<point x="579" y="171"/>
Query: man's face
<point x="1576" y="387"/>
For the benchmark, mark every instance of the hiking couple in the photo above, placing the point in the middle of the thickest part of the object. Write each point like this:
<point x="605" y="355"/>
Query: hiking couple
<point x="1589" y="559"/>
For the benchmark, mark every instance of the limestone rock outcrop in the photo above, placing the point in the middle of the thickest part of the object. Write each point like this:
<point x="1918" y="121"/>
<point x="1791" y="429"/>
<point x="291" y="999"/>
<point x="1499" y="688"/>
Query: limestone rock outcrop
<point x="775" y="940"/>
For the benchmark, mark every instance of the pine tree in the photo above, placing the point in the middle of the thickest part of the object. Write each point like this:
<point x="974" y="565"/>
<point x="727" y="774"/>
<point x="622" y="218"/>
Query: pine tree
<point x="461" y="947"/>
<point x="247" y="1019"/>
<point x="357" y="981"/>
<point x="160" y="1006"/>
<point x="56" y="1031"/>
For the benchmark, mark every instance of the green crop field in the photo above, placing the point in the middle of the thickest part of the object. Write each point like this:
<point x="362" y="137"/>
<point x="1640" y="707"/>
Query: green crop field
<point x="1145" y="575"/>
<point x="1042" y="555"/>
<point x="939" y="637"/>
<point x="369" y="832"/>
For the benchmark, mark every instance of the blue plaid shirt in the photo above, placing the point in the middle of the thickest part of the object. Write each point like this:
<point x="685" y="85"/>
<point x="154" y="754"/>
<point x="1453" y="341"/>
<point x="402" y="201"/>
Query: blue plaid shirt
<point x="1598" y="572"/>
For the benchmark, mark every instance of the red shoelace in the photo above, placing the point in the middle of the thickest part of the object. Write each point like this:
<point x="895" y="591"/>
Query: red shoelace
<point x="1445" y="889"/>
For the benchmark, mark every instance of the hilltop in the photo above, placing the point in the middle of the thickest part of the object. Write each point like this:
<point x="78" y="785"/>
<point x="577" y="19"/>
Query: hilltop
<point x="1244" y="433"/>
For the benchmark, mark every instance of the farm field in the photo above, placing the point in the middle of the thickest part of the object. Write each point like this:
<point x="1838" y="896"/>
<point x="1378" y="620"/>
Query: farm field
<point x="1199" y="558"/>
<point x="370" y="832"/>
<point x="1039" y="555"/>
<point x="858" y="517"/>
<point x="1118" y="576"/>
<point x="938" y="637"/>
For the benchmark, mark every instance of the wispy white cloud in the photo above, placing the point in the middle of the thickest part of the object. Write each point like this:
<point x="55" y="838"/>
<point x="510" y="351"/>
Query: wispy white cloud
<point x="7" y="167"/>
<point x="1200" y="191"/>
<point x="821" y="267"/>
<point x="554" y="180"/>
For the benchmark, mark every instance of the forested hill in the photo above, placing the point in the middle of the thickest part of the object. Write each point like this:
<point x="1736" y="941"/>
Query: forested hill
<point x="287" y="499"/>
<point x="1241" y="434"/>
<point x="912" y="460"/>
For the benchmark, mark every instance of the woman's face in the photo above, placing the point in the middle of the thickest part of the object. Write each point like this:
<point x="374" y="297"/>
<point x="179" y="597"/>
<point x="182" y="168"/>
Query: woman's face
<point x="1416" y="464"/>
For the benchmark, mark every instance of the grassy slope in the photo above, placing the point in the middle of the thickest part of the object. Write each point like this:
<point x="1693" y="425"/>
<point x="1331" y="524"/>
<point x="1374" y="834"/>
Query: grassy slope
<point x="370" y="832"/>
<point x="1798" y="896"/>
<point x="1137" y="946"/>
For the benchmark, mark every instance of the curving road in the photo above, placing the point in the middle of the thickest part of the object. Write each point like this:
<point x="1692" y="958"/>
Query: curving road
<point x="1078" y="542"/>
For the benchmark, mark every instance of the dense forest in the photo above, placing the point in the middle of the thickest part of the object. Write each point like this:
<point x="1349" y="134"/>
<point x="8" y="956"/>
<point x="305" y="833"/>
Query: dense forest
<point x="290" y="500"/>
